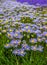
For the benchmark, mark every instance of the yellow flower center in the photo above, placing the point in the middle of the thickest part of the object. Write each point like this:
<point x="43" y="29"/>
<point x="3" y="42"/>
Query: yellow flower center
<point x="10" y="30"/>
<point x="7" y="44"/>
<point x="26" y="27"/>
<point x="32" y="41"/>
<point x="16" y="34"/>
<point x="28" y="30"/>
<point x="4" y="30"/>
<point x="9" y="35"/>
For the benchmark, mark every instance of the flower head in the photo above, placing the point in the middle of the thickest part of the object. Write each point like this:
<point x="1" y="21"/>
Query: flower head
<point x="34" y="48"/>
<point x="15" y="42"/>
<point x="40" y="48"/>
<point x="33" y="40"/>
<point x="45" y="34"/>
<point x="19" y="52"/>
<point x="18" y="35"/>
<point x="25" y="46"/>
<point x="7" y="46"/>
<point x="10" y="35"/>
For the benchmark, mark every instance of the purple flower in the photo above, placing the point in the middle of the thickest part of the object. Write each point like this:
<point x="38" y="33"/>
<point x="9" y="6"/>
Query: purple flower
<point x="34" y="25"/>
<point x="37" y="31"/>
<point x="33" y="40"/>
<point x="10" y="35"/>
<point x="15" y="52"/>
<point x="44" y="34"/>
<point x="18" y="18"/>
<point x="39" y="35"/>
<point x="7" y="46"/>
<point x="36" y="20"/>
<point x="31" y="16"/>
<point x="27" y="29"/>
<point x="45" y="27"/>
<point x="25" y="46"/>
<point x="40" y="48"/>
<point x="18" y="35"/>
<point x="19" y="52"/>
<point x="39" y="39"/>
<point x="15" y="42"/>
<point x="34" y="48"/>
<point x="10" y="30"/>
<point x="23" y="25"/>
<point x="35" y="2"/>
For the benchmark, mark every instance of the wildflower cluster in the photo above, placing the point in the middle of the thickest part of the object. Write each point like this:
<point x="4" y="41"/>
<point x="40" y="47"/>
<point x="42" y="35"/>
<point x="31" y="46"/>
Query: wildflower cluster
<point x="23" y="35"/>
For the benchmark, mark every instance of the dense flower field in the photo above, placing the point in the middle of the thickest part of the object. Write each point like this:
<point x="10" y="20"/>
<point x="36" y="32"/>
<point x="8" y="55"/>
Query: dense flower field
<point x="34" y="2"/>
<point x="24" y="30"/>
